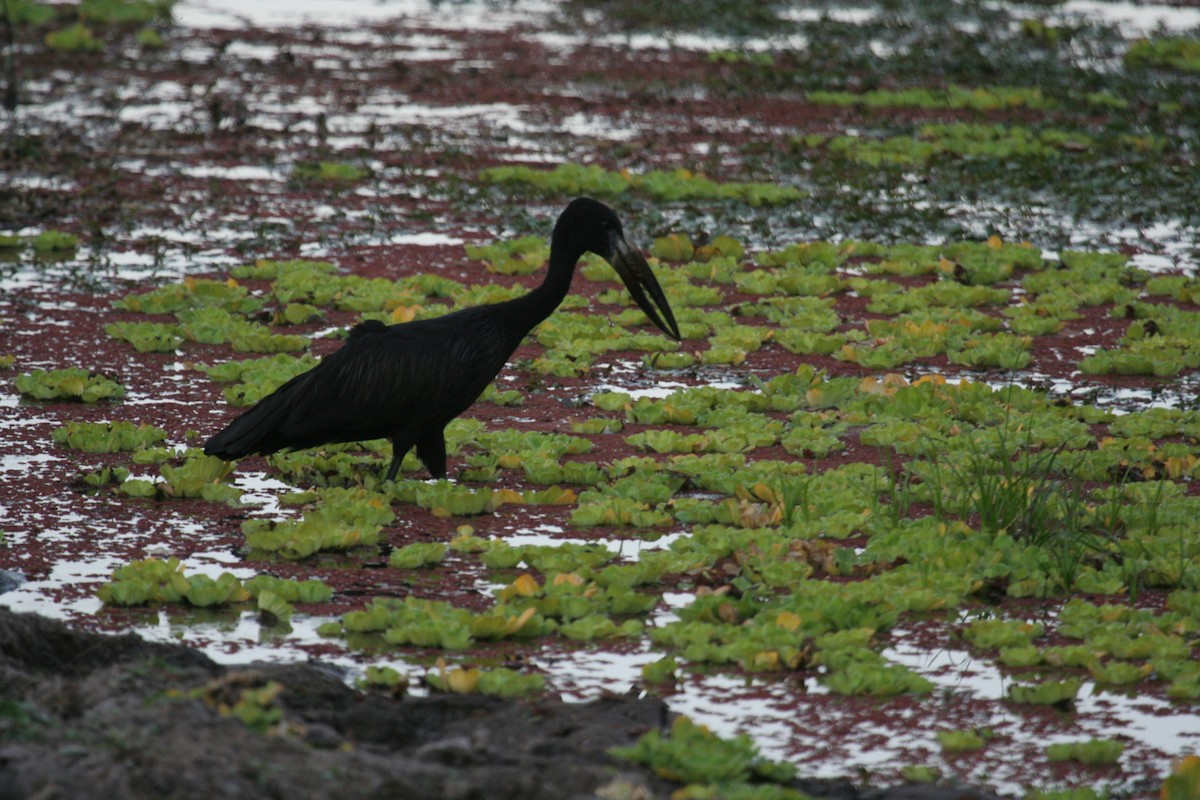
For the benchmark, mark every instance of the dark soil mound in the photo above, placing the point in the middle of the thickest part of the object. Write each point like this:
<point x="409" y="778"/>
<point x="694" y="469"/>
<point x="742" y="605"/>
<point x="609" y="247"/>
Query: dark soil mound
<point x="86" y="715"/>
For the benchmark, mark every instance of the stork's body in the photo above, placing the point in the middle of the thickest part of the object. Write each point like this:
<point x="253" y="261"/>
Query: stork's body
<point x="406" y="382"/>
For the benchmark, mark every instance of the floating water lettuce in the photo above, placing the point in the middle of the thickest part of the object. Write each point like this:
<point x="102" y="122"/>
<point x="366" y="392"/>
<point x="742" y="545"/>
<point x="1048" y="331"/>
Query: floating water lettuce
<point x="670" y="186"/>
<point x="55" y="241"/>
<point x="255" y="378"/>
<point x="107" y="437"/>
<point x="147" y="337"/>
<point x="73" y="39"/>
<point x="660" y="671"/>
<point x="200" y="476"/>
<point x="72" y="383"/>
<point x="300" y="539"/>
<point x="191" y="293"/>
<point x="1176" y="52"/>
<point x="499" y="682"/>
<point x="691" y="753"/>
<point x="876" y="680"/>
<point x="1093" y="752"/>
<point x="429" y="623"/>
<point x="984" y="98"/>
<point x="328" y="172"/>
<point x="960" y="741"/>
<point x="416" y="555"/>
<point x="520" y="256"/>
<point x="973" y="140"/>
<point x="341" y="519"/>
<point x="155" y="581"/>
<point x="1048" y="693"/>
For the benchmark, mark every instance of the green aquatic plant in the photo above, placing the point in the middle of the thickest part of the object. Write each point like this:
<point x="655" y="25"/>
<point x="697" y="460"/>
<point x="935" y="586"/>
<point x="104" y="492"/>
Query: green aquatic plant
<point x="335" y="172"/>
<point x="200" y="476"/>
<point x="337" y="519"/>
<point x="107" y="437"/>
<point x="72" y="383"/>
<point x="124" y="11"/>
<point x="150" y="39"/>
<point x="691" y="753"/>
<point x="55" y="241"/>
<point x="76" y="38"/>
<point x="191" y="293"/>
<point x="155" y="581"/>
<point x="961" y="741"/>
<point x="520" y="256"/>
<point x="991" y="634"/>
<point x="299" y="539"/>
<point x="991" y="98"/>
<point x="1048" y="693"/>
<point x="147" y="337"/>
<point x="416" y="555"/>
<point x="429" y="623"/>
<point x="1174" y="52"/>
<point x="972" y="140"/>
<point x="669" y="186"/>
<point x="876" y="680"/>
<point x="498" y="682"/>
<point x="29" y="12"/>
<point x="1093" y="752"/>
<point x="255" y="378"/>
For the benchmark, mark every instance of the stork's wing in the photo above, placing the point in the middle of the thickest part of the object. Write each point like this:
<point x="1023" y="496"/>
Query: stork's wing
<point x="382" y="381"/>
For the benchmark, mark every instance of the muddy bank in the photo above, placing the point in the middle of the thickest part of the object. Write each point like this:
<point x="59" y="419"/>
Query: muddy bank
<point x="84" y="715"/>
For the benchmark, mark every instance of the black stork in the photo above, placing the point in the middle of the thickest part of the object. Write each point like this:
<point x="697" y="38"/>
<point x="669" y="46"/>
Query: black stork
<point x="406" y="382"/>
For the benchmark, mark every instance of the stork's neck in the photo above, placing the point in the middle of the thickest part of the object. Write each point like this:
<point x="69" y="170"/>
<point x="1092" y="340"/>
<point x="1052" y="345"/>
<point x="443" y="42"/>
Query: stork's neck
<point x="541" y="302"/>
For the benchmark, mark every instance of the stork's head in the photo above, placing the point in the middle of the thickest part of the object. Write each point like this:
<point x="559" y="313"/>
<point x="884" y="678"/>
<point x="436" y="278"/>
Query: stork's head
<point x="595" y="228"/>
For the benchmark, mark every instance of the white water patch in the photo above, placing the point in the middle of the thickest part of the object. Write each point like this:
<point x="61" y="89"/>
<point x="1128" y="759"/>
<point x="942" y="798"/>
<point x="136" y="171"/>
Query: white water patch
<point x="596" y="127"/>
<point x="261" y="493"/>
<point x="33" y="597"/>
<point x="634" y="379"/>
<point x="425" y="239"/>
<point x="161" y="106"/>
<point x="1152" y="724"/>
<point x="238" y="172"/>
<point x="481" y="16"/>
<point x="1132" y="19"/>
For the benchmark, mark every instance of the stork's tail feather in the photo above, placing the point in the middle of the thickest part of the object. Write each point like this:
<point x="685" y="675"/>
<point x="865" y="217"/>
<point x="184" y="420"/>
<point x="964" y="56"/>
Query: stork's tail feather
<point x="256" y="431"/>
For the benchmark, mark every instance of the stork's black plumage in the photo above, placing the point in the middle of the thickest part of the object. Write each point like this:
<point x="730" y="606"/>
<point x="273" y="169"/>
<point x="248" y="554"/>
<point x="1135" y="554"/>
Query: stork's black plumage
<point x="406" y="382"/>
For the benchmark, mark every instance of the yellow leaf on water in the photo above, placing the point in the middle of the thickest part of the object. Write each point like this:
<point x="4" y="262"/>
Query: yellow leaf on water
<point x="1184" y="781"/>
<point x="788" y="620"/>
<point x="502" y="496"/>
<point x="526" y="585"/>
<point x="515" y="624"/>
<point x="404" y="313"/>
<point x="461" y="681"/>
<point x="765" y="660"/>
<point x="567" y="577"/>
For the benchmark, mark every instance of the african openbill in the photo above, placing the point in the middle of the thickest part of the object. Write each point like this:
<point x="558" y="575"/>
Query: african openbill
<point x="406" y="382"/>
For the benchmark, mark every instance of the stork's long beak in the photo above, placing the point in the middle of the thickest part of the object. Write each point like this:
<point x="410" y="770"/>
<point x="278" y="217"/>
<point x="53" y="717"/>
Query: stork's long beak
<point x="635" y="272"/>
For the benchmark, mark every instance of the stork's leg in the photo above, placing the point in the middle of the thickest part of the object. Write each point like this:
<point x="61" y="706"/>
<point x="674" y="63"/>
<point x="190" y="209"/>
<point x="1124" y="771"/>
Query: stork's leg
<point x="400" y="448"/>
<point x="431" y="449"/>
